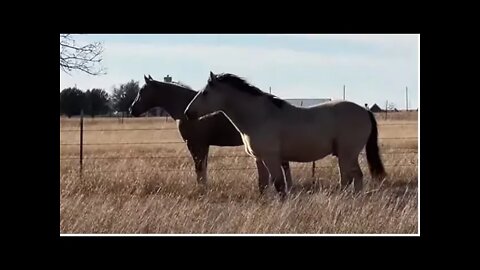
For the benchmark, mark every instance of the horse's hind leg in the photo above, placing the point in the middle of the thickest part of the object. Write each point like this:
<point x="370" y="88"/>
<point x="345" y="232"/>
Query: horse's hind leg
<point x="350" y="171"/>
<point x="358" y="177"/>
<point x="346" y="177"/>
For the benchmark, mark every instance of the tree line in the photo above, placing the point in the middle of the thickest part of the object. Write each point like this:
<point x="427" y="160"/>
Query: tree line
<point x="97" y="101"/>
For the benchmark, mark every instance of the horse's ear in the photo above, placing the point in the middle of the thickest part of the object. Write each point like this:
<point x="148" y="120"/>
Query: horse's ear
<point x="147" y="80"/>
<point x="212" y="77"/>
<point x="150" y="77"/>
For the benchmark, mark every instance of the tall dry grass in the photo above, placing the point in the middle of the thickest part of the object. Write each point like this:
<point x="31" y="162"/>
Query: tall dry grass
<point x="142" y="194"/>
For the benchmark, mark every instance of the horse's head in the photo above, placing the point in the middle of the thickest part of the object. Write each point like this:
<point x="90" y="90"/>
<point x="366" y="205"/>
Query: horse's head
<point x="143" y="101"/>
<point x="210" y="100"/>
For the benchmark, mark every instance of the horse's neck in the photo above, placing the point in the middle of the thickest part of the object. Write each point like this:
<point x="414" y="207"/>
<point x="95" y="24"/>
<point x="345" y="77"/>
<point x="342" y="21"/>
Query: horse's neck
<point x="244" y="118"/>
<point x="174" y="100"/>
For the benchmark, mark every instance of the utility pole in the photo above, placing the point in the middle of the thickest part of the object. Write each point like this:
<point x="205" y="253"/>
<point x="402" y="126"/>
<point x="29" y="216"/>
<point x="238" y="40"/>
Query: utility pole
<point x="406" y="99"/>
<point x="344" y="92"/>
<point x="270" y="89"/>
<point x="386" y="109"/>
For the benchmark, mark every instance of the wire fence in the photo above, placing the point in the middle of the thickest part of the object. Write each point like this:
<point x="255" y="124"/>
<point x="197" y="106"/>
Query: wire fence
<point x="253" y="169"/>
<point x="80" y="157"/>
<point x="181" y="142"/>
<point x="211" y="156"/>
<point x="143" y="129"/>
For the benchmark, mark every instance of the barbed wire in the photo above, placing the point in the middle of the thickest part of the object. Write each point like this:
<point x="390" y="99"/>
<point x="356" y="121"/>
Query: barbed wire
<point x="308" y="169"/>
<point x="176" y="142"/>
<point x="142" y="129"/>
<point x="306" y="165"/>
<point x="124" y="143"/>
<point x="406" y="151"/>
<point x="212" y="156"/>
<point x="121" y="129"/>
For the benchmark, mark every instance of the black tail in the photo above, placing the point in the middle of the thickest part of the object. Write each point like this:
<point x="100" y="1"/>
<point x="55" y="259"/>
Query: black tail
<point x="373" y="157"/>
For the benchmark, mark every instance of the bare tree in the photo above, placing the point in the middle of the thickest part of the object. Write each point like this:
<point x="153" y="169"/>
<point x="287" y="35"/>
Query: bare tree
<point x="391" y="106"/>
<point x="85" y="58"/>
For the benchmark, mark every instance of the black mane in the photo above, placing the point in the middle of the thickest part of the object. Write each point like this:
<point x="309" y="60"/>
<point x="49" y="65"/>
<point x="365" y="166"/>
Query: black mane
<point x="244" y="86"/>
<point x="180" y="84"/>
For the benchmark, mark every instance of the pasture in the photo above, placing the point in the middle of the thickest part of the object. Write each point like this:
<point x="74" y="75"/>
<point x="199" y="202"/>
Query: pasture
<point x="138" y="178"/>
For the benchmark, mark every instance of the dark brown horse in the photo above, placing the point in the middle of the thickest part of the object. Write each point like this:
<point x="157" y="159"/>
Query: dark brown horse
<point x="198" y="134"/>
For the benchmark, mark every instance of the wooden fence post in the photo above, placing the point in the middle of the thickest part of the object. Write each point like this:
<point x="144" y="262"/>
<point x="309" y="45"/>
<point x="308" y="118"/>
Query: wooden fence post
<point x="81" y="143"/>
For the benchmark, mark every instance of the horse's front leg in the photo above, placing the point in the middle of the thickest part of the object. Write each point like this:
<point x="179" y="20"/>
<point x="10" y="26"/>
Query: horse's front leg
<point x="274" y="166"/>
<point x="199" y="154"/>
<point x="263" y="176"/>
<point x="288" y="174"/>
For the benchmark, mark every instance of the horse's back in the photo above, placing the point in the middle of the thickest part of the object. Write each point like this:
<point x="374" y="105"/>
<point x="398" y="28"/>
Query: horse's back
<point x="339" y="109"/>
<point x="307" y="133"/>
<point x="352" y="123"/>
<point x="313" y="132"/>
<point x="328" y="113"/>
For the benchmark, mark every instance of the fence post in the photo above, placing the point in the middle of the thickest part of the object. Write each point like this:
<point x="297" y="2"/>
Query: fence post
<point x="313" y="169"/>
<point x="81" y="142"/>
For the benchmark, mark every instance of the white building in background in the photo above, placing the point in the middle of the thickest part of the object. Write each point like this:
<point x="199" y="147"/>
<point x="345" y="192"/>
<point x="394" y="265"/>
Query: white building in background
<point x="307" y="102"/>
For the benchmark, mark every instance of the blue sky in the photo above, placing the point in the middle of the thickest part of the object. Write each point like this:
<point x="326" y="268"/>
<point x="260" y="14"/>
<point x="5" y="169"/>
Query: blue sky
<point x="374" y="68"/>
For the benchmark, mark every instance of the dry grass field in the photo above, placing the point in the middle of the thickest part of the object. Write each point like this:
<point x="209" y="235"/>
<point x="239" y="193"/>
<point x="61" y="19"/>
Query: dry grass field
<point x="150" y="187"/>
